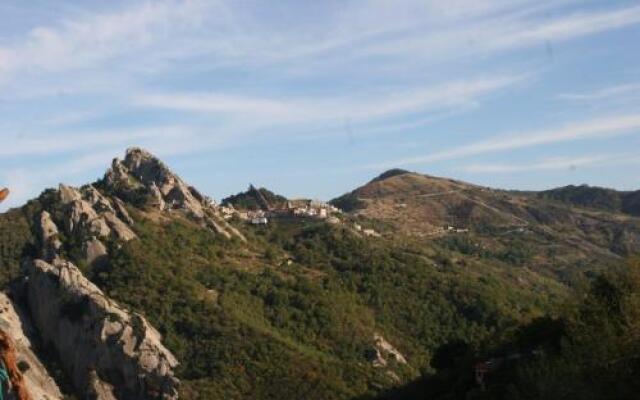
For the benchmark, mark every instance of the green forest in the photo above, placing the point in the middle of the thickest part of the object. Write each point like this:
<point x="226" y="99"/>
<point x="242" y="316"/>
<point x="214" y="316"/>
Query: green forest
<point x="292" y="312"/>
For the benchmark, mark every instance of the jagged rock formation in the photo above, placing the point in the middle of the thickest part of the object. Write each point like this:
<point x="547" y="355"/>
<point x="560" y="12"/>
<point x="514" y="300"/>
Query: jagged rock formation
<point x="89" y="213"/>
<point x="382" y="351"/>
<point x="86" y="215"/>
<point x="36" y="379"/>
<point x="48" y="235"/>
<point x="109" y="352"/>
<point x="141" y="172"/>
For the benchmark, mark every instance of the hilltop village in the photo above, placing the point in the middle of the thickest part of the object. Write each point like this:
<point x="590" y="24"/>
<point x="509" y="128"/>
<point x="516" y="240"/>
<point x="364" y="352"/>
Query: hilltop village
<point x="258" y="206"/>
<point x="293" y="209"/>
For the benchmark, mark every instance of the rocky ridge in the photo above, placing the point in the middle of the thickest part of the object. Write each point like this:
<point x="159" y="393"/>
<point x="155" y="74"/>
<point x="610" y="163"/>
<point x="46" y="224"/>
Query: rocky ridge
<point x="109" y="351"/>
<point x="140" y="173"/>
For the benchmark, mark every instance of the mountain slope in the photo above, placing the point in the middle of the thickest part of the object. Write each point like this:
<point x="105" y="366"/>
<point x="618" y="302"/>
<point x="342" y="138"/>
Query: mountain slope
<point x="596" y="198"/>
<point x="556" y="235"/>
<point x="299" y="308"/>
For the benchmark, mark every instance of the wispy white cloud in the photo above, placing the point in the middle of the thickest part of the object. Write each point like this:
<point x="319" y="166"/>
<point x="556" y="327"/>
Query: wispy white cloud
<point x="547" y="164"/>
<point x="154" y="35"/>
<point x="309" y="109"/>
<point x="382" y="66"/>
<point x="90" y="40"/>
<point x="503" y="32"/>
<point x="603" y="93"/>
<point x="570" y="27"/>
<point x="592" y="129"/>
<point x="558" y="163"/>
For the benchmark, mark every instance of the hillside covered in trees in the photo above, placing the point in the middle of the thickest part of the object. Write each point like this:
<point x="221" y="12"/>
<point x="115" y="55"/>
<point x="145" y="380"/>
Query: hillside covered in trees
<point x="303" y="308"/>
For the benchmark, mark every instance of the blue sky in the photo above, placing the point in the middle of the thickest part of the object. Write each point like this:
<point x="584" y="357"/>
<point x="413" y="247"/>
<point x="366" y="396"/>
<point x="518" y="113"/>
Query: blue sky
<point x="314" y="98"/>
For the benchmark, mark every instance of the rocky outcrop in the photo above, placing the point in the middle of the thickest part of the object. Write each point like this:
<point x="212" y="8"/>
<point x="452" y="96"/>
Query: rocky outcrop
<point x="86" y="215"/>
<point x="118" y="227"/>
<point x="94" y="250"/>
<point x="68" y="194"/>
<point x="167" y="188"/>
<point x="37" y="381"/>
<point x="140" y="172"/>
<point x="382" y="352"/>
<point x="121" y="211"/>
<point x="82" y="219"/>
<point x="48" y="235"/>
<point x="109" y="353"/>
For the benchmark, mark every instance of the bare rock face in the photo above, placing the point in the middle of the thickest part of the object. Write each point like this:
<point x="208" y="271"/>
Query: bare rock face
<point x="82" y="216"/>
<point x="109" y="353"/>
<point x="383" y="351"/>
<point x="157" y="200"/>
<point x="38" y="382"/>
<point x="121" y="211"/>
<point x="165" y="190"/>
<point x="68" y="194"/>
<point x="99" y="202"/>
<point x="119" y="228"/>
<point x="48" y="236"/>
<point x="94" y="249"/>
<point x="152" y="172"/>
<point x="88" y="216"/>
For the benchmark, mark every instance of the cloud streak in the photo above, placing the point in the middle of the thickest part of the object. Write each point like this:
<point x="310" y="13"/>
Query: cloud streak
<point x="604" y="93"/>
<point x="309" y="110"/>
<point x="555" y="164"/>
<point x="94" y="38"/>
<point x="593" y="129"/>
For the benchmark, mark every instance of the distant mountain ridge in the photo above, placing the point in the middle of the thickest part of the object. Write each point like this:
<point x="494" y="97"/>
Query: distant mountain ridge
<point x="627" y="202"/>
<point x="422" y="205"/>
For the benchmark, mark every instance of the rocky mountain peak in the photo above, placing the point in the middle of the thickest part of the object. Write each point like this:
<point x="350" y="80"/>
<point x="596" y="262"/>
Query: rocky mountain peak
<point x="139" y="168"/>
<point x="147" y="168"/>
<point x="144" y="178"/>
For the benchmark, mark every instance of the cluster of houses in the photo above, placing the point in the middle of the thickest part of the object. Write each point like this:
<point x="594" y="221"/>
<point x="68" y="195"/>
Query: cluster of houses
<point x="293" y="209"/>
